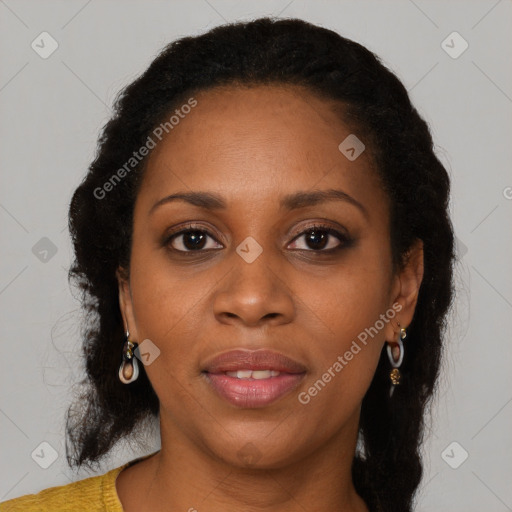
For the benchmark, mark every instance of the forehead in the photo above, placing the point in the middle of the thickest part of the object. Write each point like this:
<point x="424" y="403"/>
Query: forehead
<point x="250" y="141"/>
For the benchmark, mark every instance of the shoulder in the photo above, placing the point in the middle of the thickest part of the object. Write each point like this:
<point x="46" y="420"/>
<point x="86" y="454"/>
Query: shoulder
<point x="94" y="494"/>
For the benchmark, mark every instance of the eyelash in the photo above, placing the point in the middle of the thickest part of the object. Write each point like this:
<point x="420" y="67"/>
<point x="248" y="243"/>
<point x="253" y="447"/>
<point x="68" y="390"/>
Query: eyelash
<point x="345" y="240"/>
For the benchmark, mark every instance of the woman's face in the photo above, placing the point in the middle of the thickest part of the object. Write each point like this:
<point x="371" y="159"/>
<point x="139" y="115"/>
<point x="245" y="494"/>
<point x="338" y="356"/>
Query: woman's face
<point x="252" y="274"/>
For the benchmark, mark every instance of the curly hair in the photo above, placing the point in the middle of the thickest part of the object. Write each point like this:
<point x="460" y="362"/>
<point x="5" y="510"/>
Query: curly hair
<point x="387" y="468"/>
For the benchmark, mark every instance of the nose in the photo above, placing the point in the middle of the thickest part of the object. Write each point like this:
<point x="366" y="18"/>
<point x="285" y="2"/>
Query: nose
<point x="254" y="294"/>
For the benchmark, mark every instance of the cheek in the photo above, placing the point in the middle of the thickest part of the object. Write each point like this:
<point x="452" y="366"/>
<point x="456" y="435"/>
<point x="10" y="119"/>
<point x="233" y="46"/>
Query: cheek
<point x="348" y="299"/>
<point x="353" y="308"/>
<point x="166" y="308"/>
<point x="344" y="362"/>
<point x="167" y="312"/>
<point x="347" y="357"/>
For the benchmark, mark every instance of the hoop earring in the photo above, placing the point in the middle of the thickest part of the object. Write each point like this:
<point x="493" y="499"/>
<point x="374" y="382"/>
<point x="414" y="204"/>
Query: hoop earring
<point x="129" y="369"/>
<point x="396" y="356"/>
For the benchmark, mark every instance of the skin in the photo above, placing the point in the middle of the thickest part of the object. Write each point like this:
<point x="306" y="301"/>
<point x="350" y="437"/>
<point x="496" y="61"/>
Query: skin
<point x="253" y="146"/>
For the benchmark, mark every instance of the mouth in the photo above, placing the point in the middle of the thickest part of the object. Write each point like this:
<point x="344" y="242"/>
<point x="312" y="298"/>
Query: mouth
<point x="253" y="379"/>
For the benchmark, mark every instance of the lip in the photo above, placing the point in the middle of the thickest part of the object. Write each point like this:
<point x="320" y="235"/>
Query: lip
<point x="253" y="359"/>
<point x="253" y="393"/>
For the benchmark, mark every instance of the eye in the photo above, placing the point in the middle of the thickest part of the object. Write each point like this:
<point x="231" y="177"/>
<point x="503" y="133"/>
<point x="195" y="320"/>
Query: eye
<point x="192" y="239"/>
<point x="321" y="238"/>
<point x="317" y="238"/>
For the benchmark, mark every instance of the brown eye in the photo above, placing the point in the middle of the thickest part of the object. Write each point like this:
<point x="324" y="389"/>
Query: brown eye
<point x="321" y="239"/>
<point x="192" y="240"/>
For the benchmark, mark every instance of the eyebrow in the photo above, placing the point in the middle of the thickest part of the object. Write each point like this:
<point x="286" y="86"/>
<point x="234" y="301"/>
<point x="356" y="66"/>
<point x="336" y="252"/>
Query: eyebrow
<point x="302" y="199"/>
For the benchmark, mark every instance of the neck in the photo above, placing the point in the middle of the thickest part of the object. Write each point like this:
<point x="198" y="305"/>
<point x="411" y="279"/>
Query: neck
<point x="185" y="476"/>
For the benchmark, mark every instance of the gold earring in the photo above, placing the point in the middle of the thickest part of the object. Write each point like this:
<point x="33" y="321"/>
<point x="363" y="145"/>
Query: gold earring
<point x="129" y="369"/>
<point x="396" y="355"/>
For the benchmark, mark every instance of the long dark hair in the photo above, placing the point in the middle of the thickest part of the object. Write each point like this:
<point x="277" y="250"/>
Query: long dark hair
<point x="387" y="468"/>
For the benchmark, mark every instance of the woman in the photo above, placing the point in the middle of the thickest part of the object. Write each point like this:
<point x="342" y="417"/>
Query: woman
<point x="265" y="254"/>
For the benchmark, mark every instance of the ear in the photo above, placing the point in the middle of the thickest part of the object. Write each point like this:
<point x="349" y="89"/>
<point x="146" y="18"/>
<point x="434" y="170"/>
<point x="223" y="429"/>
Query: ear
<point x="125" y="303"/>
<point x="406" y="287"/>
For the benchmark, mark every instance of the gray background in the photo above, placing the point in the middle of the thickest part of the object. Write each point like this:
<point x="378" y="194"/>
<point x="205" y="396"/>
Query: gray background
<point x="51" y="113"/>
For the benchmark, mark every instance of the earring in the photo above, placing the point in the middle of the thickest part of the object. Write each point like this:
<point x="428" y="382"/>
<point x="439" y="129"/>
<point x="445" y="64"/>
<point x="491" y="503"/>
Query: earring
<point x="396" y="356"/>
<point x="129" y="369"/>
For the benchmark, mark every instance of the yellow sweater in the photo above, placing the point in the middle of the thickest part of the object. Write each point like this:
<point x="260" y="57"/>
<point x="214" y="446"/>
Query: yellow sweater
<point x="93" y="494"/>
